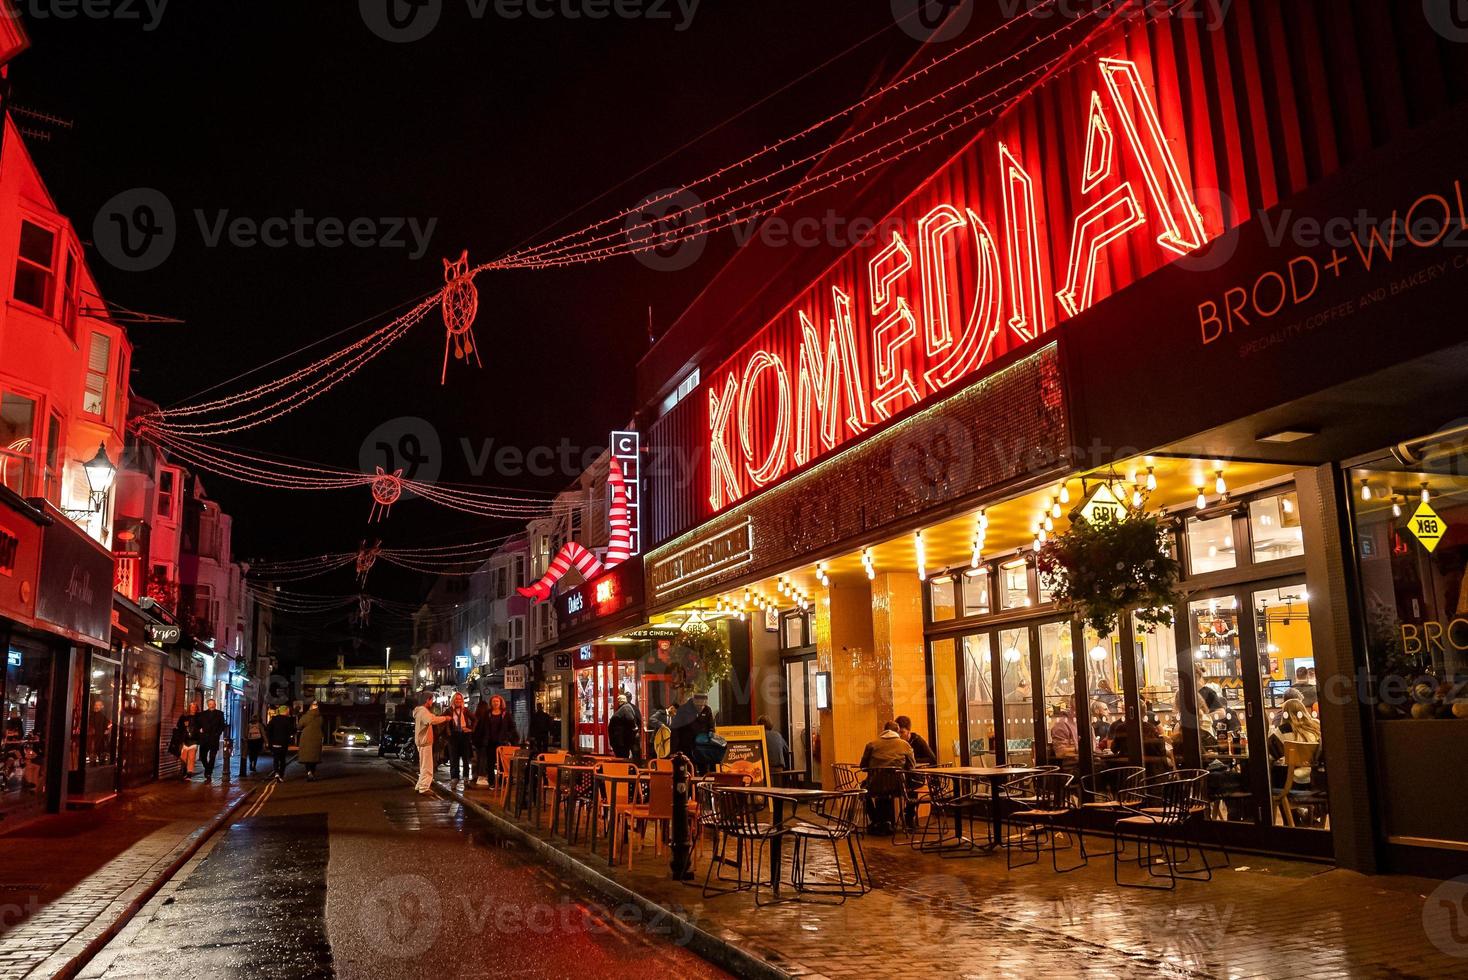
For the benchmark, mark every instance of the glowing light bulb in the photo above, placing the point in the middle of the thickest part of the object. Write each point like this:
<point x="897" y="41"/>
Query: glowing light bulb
<point x="1219" y="486"/>
<point x="922" y="556"/>
<point x="1287" y="505"/>
<point x="1151" y="479"/>
<point x="1099" y="653"/>
<point x="1202" y="501"/>
<point x="1055" y="508"/>
<point x="1426" y="493"/>
<point x="1137" y="498"/>
<point x="1396" y="508"/>
<point x="1064" y="494"/>
<point x="1012" y="655"/>
<point x="983" y="520"/>
<point x="1365" y="490"/>
<point x="1049" y="524"/>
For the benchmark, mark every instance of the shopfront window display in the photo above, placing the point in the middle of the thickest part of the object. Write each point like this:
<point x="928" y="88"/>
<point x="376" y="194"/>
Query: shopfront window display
<point x="27" y="716"/>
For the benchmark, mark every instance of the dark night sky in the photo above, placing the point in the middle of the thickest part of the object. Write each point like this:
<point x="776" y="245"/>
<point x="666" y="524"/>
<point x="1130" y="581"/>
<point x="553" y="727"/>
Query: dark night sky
<point x="494" y="127"/>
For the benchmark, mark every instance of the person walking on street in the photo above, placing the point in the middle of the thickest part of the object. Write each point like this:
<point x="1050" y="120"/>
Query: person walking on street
<point x="423" y="721"/>
<point x="461" y="738"/>
<point x="497" y="729"/>
<point x="311" y="734"/>
<point x="254" y="742"/>
<point x="476" y="739"/>
<point x="210" y="726"/>
<point x="280" y="731"/>
<point x="184" y="745"/>
<point x="625" y="728"/>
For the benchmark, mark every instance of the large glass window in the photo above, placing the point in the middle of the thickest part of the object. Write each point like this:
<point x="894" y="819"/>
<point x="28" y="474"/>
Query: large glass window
<point x="940" y="597"/>
<point x="1219" y="679"/>
<point x="27" y="707"/>
<point x="1019" y="696"/>
<point x="978" y="682"/>
<point x="1157" y="687"/>
<point x="974" y="586"/>
<point x="1105" y="692"/>
<point x="1296" y="763"/>
<point x="945" y="700"/>
<point x="1211" y="544"/>
<point x="1274" y="527"/>
<point x="1057" y="674"/>
<point x="1014" y="584"/>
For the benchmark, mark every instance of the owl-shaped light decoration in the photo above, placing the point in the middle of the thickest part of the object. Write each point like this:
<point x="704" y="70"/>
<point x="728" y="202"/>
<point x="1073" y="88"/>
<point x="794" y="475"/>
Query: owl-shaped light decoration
<point x="460" y="306"/>
<point x="387" y="488"/>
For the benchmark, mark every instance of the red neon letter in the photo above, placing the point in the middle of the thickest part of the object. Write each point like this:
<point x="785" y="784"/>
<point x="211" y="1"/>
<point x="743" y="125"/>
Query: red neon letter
<point x="894" y="330"/>
<point x="1184" y="230"/>
<point x="1099" y="146"/>
<point x="858" y="418"/>
<point x="974" y="347"/>
<point x="774" y="462"/>
<point x="1096" y="227"/>
<point x="820" y="387"/>
<point x="1028" y="302"/>
<point x="723" y="484"/>
<point x="933" y="228"/>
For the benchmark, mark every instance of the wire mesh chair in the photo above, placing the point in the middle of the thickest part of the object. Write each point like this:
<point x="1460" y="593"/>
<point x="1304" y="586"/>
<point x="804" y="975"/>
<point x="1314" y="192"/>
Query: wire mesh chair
<point x="736" y="817"/>
<point x="1101" y="795"/>
<point x="1158" y="815"/>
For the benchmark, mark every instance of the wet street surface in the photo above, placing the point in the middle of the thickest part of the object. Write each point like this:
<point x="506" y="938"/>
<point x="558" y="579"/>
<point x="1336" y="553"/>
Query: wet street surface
<point x="356" y="876"/>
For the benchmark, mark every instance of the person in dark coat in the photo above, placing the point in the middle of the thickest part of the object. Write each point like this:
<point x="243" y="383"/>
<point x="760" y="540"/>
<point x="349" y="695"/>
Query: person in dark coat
<point x="482" y="764"/>
<point x="922" y="753"/>
<point x="693" y="718"/>
<point x="498" y="729"/>
<point x="279" y="732"/>
<point x="624" y="728"/>
<point x="540" y="730"/>
<point x="310" y="737"/>
<point x="210" y="723"/>
<point x="184" y="745"/>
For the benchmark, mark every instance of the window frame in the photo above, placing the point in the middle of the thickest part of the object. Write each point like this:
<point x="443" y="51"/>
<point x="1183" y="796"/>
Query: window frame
<point x="48" y="308"/>
<point x="105" y="396"/>
<point x="30" y="458"/>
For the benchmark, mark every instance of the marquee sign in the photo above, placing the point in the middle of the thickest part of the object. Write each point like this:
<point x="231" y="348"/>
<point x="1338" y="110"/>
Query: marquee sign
<point x="1082" y="188"/>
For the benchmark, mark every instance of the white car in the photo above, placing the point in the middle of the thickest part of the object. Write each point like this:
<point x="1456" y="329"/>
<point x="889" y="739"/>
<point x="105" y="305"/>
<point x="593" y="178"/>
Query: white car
<point x="351" y="737"/>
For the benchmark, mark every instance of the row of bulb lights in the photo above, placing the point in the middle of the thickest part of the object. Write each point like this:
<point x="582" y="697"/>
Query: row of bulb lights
<point x="1367" y="493"/>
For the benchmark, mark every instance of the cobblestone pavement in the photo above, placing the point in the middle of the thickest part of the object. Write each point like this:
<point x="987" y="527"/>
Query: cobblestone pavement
<point x="66" y="878"/>
<point x="970" y="917"/>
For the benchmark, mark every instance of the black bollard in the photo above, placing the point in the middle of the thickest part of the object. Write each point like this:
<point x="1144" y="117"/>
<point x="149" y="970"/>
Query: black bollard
<point x="682" y="849"/>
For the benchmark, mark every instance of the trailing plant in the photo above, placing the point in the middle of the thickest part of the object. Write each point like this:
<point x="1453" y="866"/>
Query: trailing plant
<point x="701" y="657"/>
<point x="1099" y="569"/>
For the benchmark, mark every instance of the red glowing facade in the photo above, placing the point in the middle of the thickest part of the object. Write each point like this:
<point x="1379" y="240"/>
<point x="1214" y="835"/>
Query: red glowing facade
<point x="1085" y="186"/>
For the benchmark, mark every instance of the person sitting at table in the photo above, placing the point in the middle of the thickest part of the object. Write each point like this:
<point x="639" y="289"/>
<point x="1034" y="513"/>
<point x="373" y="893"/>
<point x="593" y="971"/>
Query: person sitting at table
<point x="922" y="752"/>
<point x="1064" y="739"/>
<point x="881" y="758"/>
<point x="775" y="744"/>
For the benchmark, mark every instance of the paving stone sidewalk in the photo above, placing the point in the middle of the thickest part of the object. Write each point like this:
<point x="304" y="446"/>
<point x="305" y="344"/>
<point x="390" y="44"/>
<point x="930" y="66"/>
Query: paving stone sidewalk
<point x="970" y="917"/>
<point x="66" y="878"/>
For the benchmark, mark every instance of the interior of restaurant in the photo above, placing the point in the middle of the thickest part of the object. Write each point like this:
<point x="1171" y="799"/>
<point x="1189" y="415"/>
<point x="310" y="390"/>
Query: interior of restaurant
<point x="955" y="627"/>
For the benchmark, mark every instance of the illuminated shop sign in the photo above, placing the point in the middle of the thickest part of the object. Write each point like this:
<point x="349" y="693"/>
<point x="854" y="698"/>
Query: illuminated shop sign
<point x="1080" y="189"/>
<point x="610" y="593"/>
<point x="626" y="449"/>
<point x="703" y="559"/>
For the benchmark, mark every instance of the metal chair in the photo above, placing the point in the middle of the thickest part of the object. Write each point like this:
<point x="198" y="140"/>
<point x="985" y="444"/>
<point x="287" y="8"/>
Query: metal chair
<point x="835" y="821"/>
<point x="1052" y="813"/>
<point x="736" y="818"/>
<point x="1101" y="796"/>
<point x="1159" y="814"/>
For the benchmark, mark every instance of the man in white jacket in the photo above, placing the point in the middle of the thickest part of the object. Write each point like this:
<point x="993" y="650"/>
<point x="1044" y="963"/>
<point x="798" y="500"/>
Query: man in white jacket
<point x="423" y="721"/>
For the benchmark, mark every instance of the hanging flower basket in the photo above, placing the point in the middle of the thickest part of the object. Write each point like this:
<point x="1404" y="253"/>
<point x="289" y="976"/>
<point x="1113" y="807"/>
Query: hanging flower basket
<point x="1099" y="569"/>
<point x="700" y="658"/>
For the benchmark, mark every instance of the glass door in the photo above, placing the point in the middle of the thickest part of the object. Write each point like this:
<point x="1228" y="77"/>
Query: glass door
<point x="1019" y="696"/>
<point x="802" y="722"/>
<point x="978" y="685"/>
<point x="1226" y="698"/>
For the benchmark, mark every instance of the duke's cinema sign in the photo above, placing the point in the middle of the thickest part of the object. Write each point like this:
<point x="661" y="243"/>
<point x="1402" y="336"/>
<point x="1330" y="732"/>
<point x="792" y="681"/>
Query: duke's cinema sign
<point x="1082" y="187"/>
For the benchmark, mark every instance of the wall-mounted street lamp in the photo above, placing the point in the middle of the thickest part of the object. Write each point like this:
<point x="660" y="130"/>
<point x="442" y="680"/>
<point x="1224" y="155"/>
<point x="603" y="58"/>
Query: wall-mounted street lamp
<point x="100" y="474"/>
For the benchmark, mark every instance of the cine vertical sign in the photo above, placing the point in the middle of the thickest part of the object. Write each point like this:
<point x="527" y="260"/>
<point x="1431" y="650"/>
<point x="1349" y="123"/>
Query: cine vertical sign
<point x="626" y="449"/>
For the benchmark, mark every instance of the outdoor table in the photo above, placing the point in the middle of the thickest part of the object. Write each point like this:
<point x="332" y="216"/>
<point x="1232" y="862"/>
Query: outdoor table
<point x="780" y="795"/>
<point x="519" y="783"/>
<point x="994" y="776"/>
<point x="614" y="778"/>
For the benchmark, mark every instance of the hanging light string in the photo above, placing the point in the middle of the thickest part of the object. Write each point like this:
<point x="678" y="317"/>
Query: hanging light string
<point x="657" y="229"/>
<point x="556" y="244"/>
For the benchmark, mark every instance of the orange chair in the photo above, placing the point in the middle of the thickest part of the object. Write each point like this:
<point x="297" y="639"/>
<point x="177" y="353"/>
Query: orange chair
<point x="503" y="755"/>
<point x="613" y="797"/>
<point x="658" y="810"/>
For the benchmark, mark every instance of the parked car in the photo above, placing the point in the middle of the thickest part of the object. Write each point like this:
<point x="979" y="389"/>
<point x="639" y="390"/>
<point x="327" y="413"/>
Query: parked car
<point x="397" y="739"/>
<point x="352" y="737"/>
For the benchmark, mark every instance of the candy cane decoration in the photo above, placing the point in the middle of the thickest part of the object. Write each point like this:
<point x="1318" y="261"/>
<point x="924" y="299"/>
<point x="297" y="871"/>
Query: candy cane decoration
<point x="573" y="555"/>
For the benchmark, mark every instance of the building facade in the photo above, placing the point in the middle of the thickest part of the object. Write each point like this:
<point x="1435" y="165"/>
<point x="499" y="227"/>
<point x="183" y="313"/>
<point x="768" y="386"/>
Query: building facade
<point x="1202" y="272"/>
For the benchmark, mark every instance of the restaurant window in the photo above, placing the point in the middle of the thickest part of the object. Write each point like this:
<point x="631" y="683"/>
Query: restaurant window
<point x="1105" y="691"/>
<point x="1274" y="527"/>
<point x="99" y="361"/>
<point x="974" y="589"/>
<point x="97" y="741"/>
<point x="52" y="460"/>
<point x="1411" y="541"/>
<point x="35" y="266"/>
<point x="978" y="683"/>
<point x="1057" y="674"/>
<point x="17" y="438"/>
<point x="1157" y="686"/>
<point x="1211" y="544"/>
<point x="794" y="631"/>
<point x="1291" y="707"/>
<point x="943" y="667"/>
<point x="940" y="598"/>
<point x="1014" y="584"/>
<point x="1019" y="696"/>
